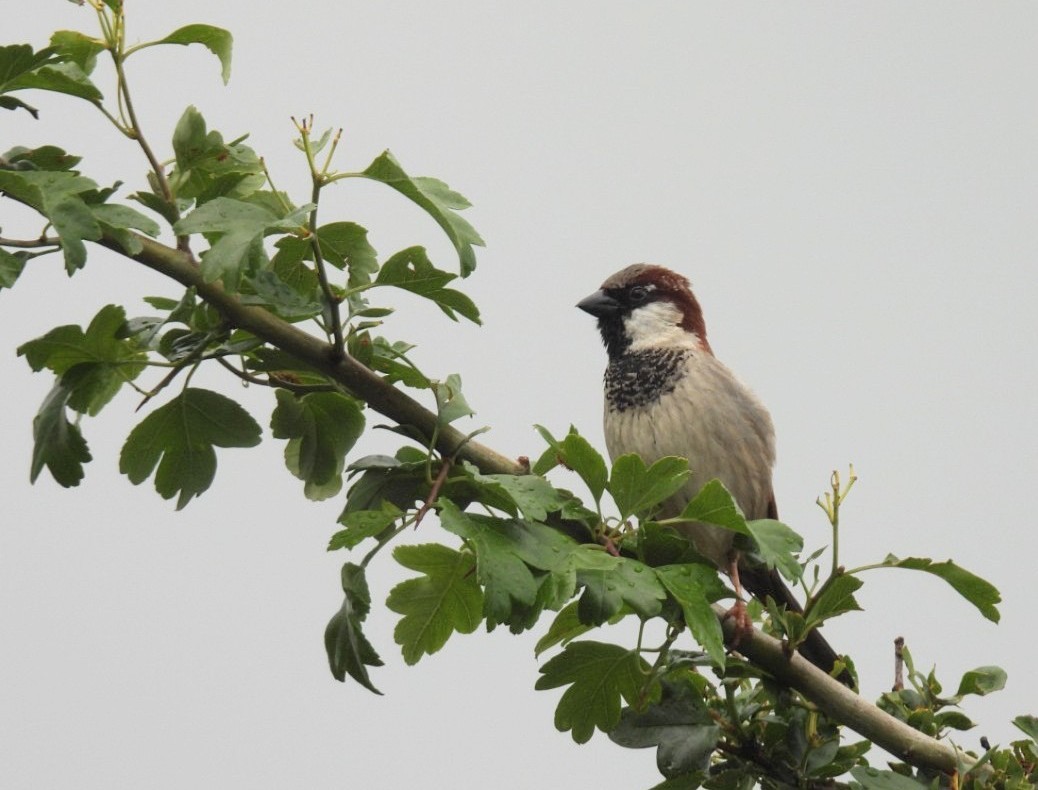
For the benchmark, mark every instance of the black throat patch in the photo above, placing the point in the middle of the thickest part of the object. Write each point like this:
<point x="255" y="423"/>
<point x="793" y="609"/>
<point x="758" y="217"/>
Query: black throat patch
<point x="640" y="378"/>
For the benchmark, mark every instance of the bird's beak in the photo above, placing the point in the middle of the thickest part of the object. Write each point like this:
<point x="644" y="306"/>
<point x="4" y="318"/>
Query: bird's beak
<point x="599" y="304"/>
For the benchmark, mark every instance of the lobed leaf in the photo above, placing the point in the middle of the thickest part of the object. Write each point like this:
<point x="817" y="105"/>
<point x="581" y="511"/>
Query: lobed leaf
<point x="599" y="676"/>
<point x="363" y="524"/>
<point x="57" y="443"/>
<point x="412" y="271"/>
<point x="715" y="505"/>
<point x="679" y="726"/>
<point x="180" y="438"/>
<point x="345" y="246"/>
<point x="694" y="587"/>
<point x="437" y="199"/>
<point x="982" y="681"/>
<point x="11" y="266"/>
<point x="778" y="545"/>
<point x="445" y="599"/>
<point x="207" y="167"/>
<point x="611" y="582"/>
<point x="103" y="358"/>
<point x="534" y="496"/>
<point x="349" y="651"/>
<point x="450" y="403"/>
<point x="58" y="196"/>
<point x="322" y="428"/>
<point x="835" y="598"/>
<point x="974" y="589"/>
<point x="239" y="228"/>
<point x="575" y="453"/>
<point x="215" y="39"/>
<point x="638" y="490"/>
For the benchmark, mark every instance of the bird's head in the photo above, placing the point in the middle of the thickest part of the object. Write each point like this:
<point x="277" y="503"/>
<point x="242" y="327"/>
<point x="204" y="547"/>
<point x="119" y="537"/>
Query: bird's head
<point x="646" y="306"/>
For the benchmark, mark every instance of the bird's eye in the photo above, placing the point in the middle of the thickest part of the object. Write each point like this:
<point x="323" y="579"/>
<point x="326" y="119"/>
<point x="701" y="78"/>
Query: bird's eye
<point x="638" y="294"/>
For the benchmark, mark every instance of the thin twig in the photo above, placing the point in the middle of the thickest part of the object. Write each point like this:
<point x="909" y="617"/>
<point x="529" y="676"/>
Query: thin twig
<point x="434" y="492"/>
<point x="273" y="380"/>
<point x="43" y="241"/>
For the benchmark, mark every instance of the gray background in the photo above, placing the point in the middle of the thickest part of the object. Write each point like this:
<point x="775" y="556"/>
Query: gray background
<point x="851" y="188"/>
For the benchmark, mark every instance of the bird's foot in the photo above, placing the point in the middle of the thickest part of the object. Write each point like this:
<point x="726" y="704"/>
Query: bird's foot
<point x="743" y="623"/>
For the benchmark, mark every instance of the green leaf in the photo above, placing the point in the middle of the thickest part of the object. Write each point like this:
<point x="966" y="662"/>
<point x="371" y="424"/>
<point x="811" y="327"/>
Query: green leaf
<point x="982" y="681"/>
<point x="104" y="360"/>
<point x="67" y="78"/>
<point x="778" y="545"/>
<point x="437" y="199"/>
<point x="58" y="444"/>
<point x="179" y="438"/>
<point x="522" y="564"/>
<point x="714" y="505"/>
<point x="11" y="266"/>
<point x="239" y="226"/>
<point x="363" y="524"/>
<point x="117" y="221"/>
<point x="564" y="628"/>
<point x="445" y="599"/>
<point x="610" y="582"/>
<point x="44" y="157"/>
<point x="694" y="587"/>
<point x="215" y="39"/>
<point x="80" y="49"/>
<point x="679" y="726"/>
<point x="836" y="597"/>
<point x="498" y="543"/>
<point x="974" y="589"/>
<point x="450" y="403"/>
<point x="531" y="494"/>
<point x="412" y="271"/>
<point x="955" y="720"/>
<point x="207" y="167"/>
<point x="575" y="453"/>
<point x="399" y="481"/>
<point x="389" y="359"/>
<point x="57" y="195"/>
<point x="638" y="490"/>
<point x="349" y="651"/>
<point x="273" y="292"/>
<point x="47" y="69"/>
<point x="345" y="245"/>
<point x="323" y="426"/>
<point x="18" y="61"/>
<point x="1028" y="725"/>
<point x="599" y="676"/>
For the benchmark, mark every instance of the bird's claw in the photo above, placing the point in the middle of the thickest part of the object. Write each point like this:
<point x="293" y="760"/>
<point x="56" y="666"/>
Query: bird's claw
<point x="741" y="618"/>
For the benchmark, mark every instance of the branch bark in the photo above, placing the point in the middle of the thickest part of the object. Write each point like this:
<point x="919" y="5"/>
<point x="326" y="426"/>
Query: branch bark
<point x="384" y="398"/>
<point x="845" y="706"/>
<point x="839" y="702"/>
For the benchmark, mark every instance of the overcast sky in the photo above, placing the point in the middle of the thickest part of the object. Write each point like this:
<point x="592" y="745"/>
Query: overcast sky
<point x="852" y="189"/>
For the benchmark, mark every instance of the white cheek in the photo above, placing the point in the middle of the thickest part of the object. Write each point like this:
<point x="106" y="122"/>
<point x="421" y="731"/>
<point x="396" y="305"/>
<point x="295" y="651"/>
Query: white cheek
<point x="654" y="324"/>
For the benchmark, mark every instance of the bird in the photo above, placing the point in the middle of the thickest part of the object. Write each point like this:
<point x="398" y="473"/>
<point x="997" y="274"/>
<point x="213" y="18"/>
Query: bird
<point x="666" y="394"/>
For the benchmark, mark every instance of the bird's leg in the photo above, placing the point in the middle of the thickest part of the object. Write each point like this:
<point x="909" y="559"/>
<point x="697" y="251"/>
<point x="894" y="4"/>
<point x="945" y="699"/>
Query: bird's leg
<point x="743" y="624"/>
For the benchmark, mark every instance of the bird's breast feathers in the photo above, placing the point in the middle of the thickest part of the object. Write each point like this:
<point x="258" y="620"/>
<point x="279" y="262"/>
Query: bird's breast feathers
<point x="680" y="400"/>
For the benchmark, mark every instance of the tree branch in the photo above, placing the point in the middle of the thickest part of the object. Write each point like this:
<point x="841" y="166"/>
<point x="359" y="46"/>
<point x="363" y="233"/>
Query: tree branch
<point x="839" y="702"/>
<point x="384" y="398"/>
<point x="843" y="705"/>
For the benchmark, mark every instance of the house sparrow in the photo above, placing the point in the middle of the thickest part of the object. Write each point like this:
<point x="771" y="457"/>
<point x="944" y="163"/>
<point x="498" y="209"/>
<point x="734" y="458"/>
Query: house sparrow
<point x="667" y="394"/>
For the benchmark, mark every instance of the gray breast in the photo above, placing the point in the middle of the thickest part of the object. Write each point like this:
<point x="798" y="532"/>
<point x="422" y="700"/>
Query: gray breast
<point x="639" y="379"/>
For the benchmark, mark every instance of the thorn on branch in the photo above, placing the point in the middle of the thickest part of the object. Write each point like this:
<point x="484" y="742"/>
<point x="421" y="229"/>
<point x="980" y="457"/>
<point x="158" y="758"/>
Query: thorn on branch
<point x="434" y="492"/>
